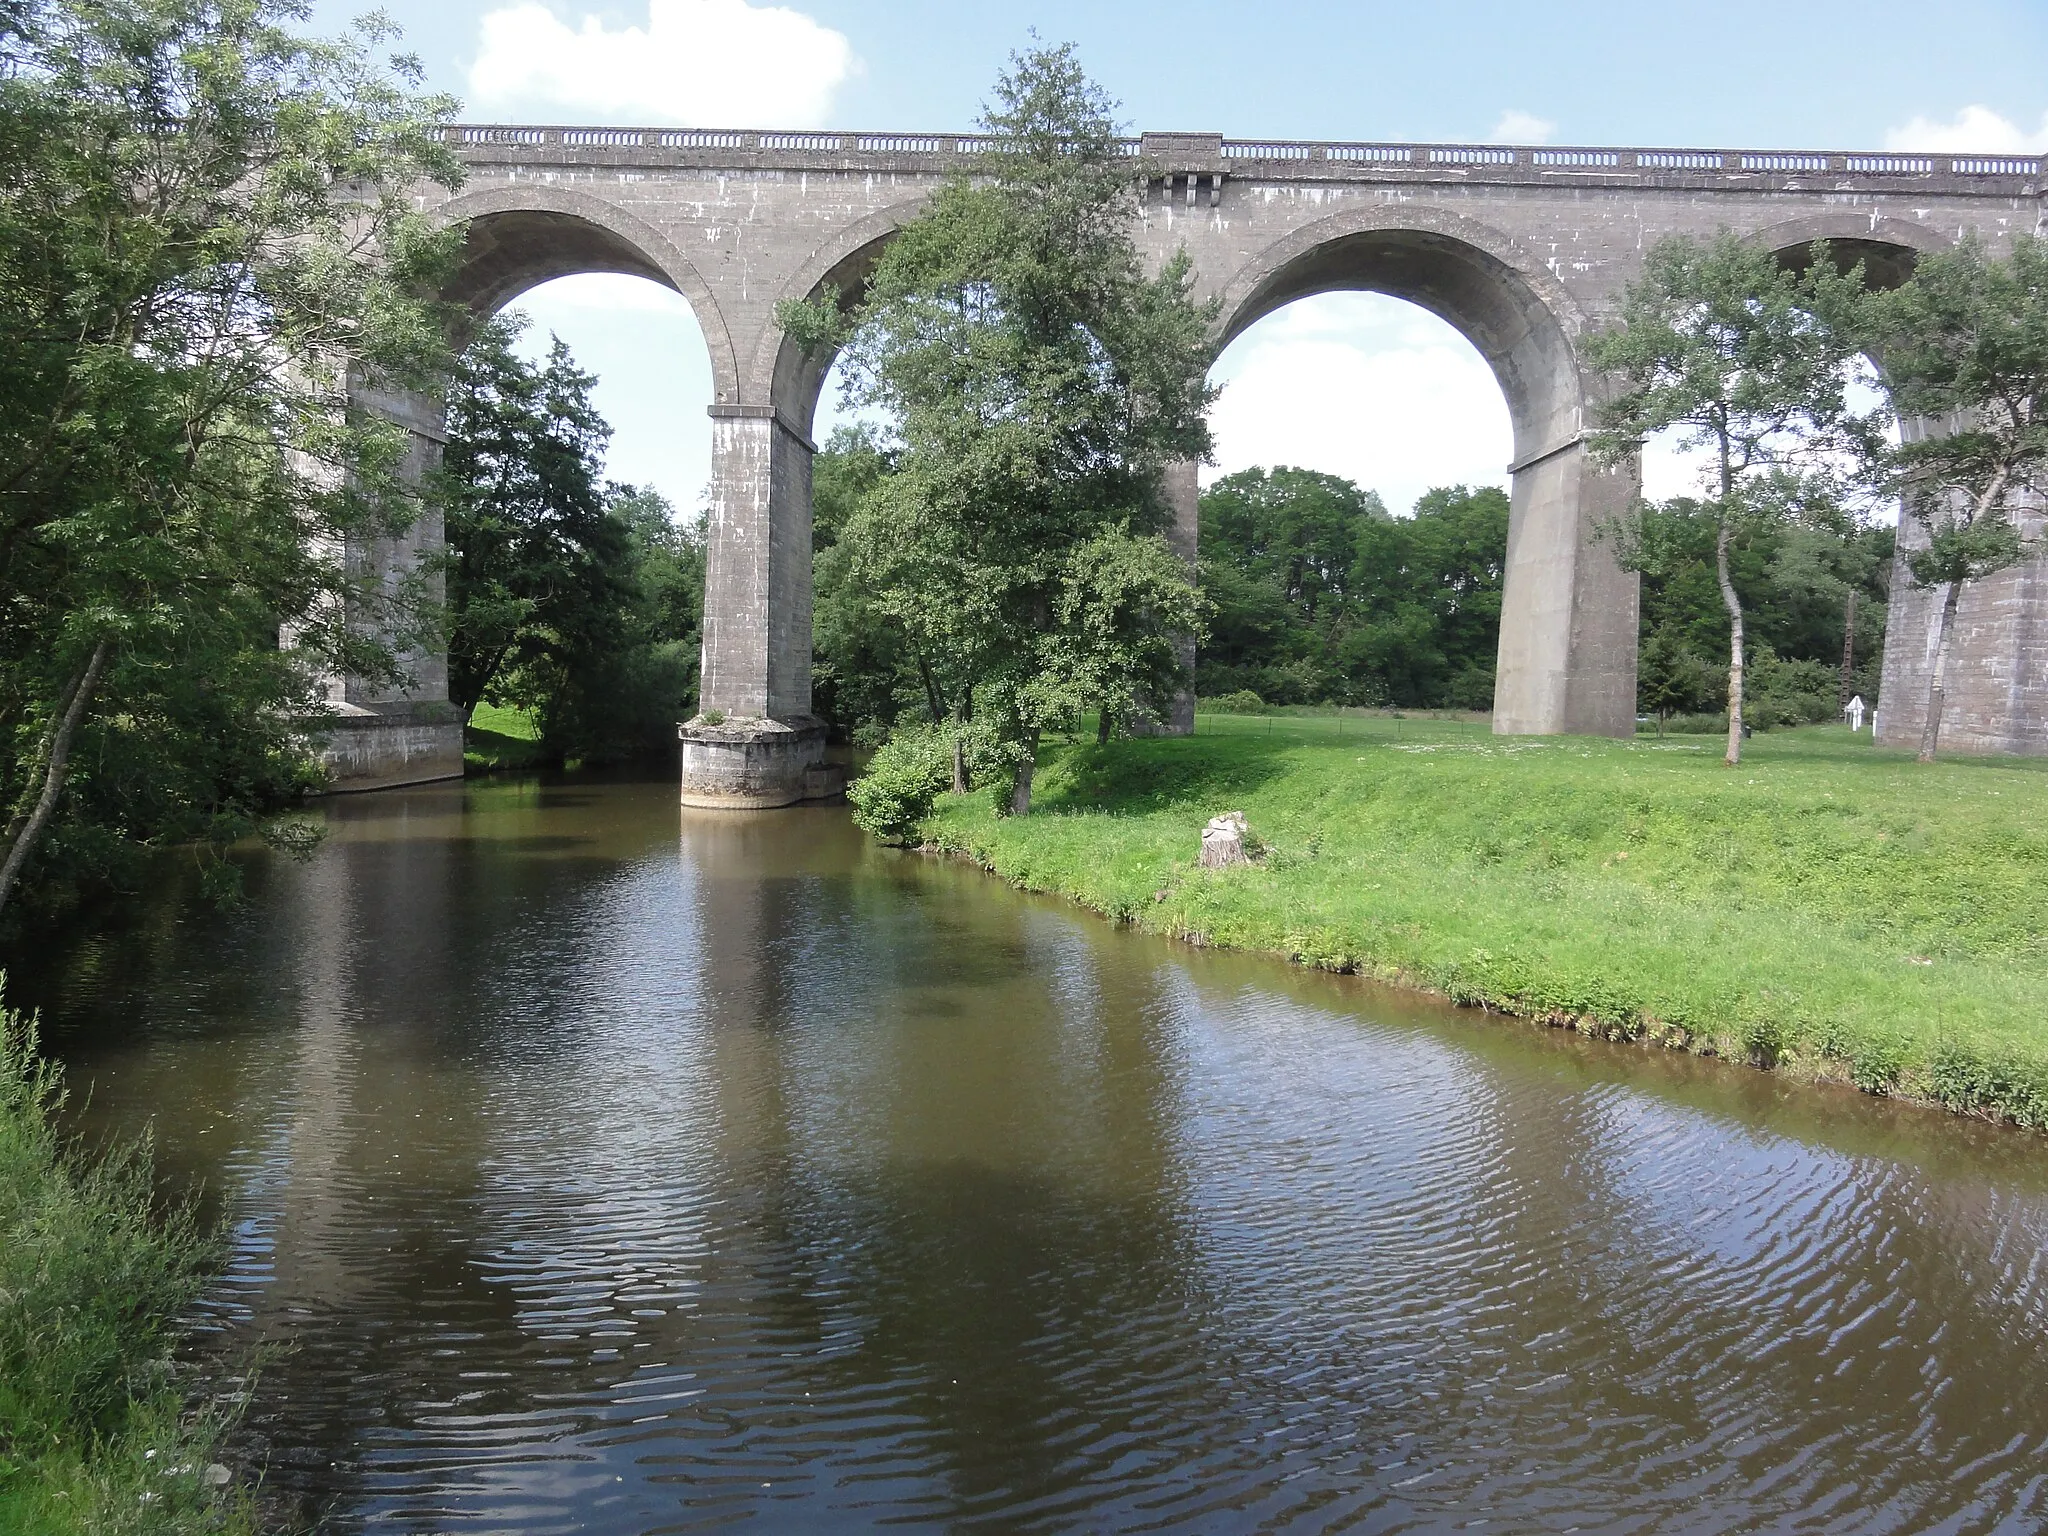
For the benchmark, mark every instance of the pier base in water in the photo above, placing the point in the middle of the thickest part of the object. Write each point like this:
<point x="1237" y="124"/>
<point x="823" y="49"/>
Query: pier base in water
<point x="755" y="765"/>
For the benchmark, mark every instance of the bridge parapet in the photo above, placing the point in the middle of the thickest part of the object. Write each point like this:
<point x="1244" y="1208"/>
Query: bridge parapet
<point x="1272" y="159"/>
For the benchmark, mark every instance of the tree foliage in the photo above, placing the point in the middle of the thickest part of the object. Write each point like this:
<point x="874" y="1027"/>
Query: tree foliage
<point x="1319" y="594"/>
<point x="1038" y="383"/>
<point x="206" y="235"/>
<point x="1749" y="360"/>
<point x="1797" y="584"/>
<point x="567" y="598"/>
<point x="1965" y="346"/>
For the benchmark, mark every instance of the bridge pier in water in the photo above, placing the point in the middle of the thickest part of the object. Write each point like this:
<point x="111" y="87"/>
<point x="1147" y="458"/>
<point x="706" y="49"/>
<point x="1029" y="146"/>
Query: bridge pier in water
<point x="754" y="743"/>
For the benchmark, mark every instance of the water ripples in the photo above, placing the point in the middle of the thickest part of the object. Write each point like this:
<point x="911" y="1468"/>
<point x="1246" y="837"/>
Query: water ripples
<point x="596" y="1180"/>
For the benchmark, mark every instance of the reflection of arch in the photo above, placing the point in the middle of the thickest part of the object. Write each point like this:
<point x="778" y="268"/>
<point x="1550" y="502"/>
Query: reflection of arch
<point x="1886" y="247"/>
<point x="784" y="373"/>
<point x="1473" y="277"/>
<point x="522" y="236"/>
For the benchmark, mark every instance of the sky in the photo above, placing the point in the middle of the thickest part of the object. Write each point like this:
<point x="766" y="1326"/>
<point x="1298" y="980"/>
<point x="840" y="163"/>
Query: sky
<point x="1357" y="384"/>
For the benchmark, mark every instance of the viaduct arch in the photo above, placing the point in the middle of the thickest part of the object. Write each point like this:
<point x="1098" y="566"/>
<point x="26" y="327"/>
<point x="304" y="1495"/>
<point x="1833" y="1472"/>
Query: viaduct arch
<point x="1521" y="249"/>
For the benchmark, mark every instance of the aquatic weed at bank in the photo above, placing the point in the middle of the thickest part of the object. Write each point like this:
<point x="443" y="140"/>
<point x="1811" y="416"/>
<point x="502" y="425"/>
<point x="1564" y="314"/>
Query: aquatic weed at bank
<point x="96" y="1435"/>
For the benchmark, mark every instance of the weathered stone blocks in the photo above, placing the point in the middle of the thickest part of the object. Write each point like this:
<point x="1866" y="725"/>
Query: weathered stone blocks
<point x="751" y="764"/>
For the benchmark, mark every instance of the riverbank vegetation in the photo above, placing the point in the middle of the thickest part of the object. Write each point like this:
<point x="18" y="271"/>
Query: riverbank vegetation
<point x="573" y="603"/>
<point x="1831" y="907"/>
<point x="208" y="225"/>
<point x="99" y="1434"/>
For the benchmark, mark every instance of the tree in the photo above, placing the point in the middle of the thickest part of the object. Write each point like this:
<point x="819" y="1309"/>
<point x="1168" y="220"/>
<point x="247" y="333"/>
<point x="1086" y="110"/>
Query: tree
<point x="1039" y="383"/>
<point x="1750" y="360"/>
<point x="207" y="231"/>
<point x="1319" y="593"/>
<point x="536" y="559"/>
<point x="1965" y="345"/>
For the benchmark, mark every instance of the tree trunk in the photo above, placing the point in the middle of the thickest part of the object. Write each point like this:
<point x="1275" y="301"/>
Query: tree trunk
<point x="23" y="837"/>
<point x="1937" y="682"/>
<point x="1734" y="606"/>
<point x="934" y="701"/>
<point x="1102" y="725"/>
<point x="1848" y="647"/>
<point x="1020" y="792"/>
<point x="963" y="714"/>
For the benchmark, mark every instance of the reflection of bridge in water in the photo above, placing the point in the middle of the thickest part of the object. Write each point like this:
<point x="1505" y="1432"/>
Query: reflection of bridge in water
<point x="1521" y="249"/>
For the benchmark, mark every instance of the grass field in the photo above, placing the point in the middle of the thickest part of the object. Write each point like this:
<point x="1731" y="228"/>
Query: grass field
<point x="1828" y="907"/>
<point x="500" y="738"/>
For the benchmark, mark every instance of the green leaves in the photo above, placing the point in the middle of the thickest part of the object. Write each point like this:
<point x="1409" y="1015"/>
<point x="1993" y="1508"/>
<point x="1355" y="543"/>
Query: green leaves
<point x="209" y="260"/>
<point x="1038" y="383"/>
<point x="1966" y="353"/>
<point x="1750" y="359"/>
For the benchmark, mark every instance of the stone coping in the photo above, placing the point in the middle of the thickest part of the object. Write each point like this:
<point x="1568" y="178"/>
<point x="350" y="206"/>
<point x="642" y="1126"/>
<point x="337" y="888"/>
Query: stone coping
<point x="1215" y="155"/>
<point x="737" y="730"/>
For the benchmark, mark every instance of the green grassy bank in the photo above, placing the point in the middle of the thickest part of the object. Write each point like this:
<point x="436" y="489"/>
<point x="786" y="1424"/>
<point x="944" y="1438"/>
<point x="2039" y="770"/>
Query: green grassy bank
<point x="95" y="1436"/>
<point x="1827" y="907"/>
<point x="501" y="740"/>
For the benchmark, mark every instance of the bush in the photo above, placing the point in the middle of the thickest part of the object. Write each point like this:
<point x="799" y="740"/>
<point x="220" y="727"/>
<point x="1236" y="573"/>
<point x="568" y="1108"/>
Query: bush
<point x="1789" y="692"/>
<point x="1243" y="702"/>
<point x="92" y="1280"/>
<point x="903" y="780"/>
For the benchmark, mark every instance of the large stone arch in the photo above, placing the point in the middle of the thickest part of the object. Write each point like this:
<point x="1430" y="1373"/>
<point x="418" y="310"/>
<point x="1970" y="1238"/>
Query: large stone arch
<point x="1475" y="278"/>
<point x="527" y="234"/>
<point x="1568" y="621"/>
<point x="1887" y="246"/>
<point x="791" y="376"/>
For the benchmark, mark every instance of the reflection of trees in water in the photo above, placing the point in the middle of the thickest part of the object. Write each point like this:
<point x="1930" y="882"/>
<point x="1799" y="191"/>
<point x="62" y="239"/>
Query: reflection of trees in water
<point x="767" y="1156"/>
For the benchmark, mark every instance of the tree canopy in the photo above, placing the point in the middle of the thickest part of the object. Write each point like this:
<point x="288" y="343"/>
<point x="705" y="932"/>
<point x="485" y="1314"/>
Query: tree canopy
<point x="206" y="236"/>
<point x="1038" y="383"/>
<point x="1319" y="594"/>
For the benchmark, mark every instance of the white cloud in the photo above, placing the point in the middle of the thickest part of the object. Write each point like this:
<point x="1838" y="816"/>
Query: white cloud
<point x="1518" y="127"/>
<point x="697" y="63"/>
<point x="1972" y="131"/>
<point x="1364" y="386"/>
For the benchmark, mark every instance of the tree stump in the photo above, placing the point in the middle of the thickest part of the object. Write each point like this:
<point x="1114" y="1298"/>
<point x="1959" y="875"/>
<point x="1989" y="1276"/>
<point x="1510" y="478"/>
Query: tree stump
<point x="1223" y="841"/>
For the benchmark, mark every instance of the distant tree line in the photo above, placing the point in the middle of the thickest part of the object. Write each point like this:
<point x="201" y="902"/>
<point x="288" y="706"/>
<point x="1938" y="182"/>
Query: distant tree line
<point x="1319" y="595"/>
<point x="571" y="598"/>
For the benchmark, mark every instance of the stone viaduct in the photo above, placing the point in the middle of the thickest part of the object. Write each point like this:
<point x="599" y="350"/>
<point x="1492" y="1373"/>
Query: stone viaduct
<point x="1521" y="249"/>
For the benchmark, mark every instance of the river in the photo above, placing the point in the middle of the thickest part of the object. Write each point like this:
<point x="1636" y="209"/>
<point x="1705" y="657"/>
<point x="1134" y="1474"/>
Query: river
<point x="592" y="1167"/>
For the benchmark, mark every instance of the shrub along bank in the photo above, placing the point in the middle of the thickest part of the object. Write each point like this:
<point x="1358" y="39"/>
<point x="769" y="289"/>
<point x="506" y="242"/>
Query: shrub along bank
<point x="1827" y="907"/>
<point x="95" y="1436"/>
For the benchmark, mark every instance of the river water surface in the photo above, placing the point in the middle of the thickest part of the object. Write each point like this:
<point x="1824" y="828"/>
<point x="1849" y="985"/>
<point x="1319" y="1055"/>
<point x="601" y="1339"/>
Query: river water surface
<point x="603" y="1168"/>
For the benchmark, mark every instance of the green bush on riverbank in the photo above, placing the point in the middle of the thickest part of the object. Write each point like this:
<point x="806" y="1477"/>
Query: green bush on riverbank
<point x="1826" y="906"/>
<point x="94" y="1437"/>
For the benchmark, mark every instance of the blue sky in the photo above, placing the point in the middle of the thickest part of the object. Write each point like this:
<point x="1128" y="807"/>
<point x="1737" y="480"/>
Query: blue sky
<point x="1970" y="74"/>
